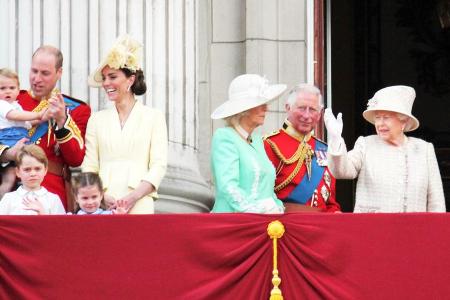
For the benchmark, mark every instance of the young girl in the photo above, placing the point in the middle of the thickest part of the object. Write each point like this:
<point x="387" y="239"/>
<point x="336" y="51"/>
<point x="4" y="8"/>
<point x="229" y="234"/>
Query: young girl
<point x="31" y="198"/>
<point x="89" y="197"/>
<point x="14" y="121"/>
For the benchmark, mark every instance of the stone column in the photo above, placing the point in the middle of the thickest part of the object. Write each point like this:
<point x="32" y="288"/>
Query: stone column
<point x="276" y="46"/>
<point x="183" y="189"/>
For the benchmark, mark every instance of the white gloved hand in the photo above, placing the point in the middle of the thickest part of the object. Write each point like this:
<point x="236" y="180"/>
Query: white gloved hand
<point x="270" y="206"/>
<point x="275" y="210"/>
<point x="334" y="125"/>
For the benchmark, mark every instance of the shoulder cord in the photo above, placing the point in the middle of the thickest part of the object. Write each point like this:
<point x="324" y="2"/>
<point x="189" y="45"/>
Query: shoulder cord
<point x="303" y="151"/>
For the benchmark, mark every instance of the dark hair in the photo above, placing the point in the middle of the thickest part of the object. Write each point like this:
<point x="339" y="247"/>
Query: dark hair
<point x="139" y="86"/>
<point x="85" y="179"/>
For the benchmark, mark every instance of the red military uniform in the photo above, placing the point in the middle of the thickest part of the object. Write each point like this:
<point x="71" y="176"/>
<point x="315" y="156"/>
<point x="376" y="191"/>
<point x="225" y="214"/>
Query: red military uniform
<point x="65" y="146"/>
<point x="302" y="174"/>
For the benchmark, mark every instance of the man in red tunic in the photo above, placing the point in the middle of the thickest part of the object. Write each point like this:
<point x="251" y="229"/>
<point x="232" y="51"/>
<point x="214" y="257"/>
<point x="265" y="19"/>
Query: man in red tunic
<point x="62" y="137"/>
<point x="299" y="157"/>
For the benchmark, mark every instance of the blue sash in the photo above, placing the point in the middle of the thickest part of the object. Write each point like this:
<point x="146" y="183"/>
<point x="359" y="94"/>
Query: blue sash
<point x="43" y="127"/>
<point x="305" y="189"/>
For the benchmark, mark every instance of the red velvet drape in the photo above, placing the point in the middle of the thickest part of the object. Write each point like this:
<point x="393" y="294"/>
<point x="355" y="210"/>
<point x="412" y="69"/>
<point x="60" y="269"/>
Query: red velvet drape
<point x="225" y="256"/>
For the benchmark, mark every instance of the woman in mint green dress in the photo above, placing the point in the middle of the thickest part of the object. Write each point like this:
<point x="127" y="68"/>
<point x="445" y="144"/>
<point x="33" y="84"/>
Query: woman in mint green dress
<point x="243" y="175"/>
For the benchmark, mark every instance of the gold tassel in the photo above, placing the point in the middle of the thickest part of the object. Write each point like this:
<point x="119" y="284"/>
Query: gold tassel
<point x="275" y="230"/>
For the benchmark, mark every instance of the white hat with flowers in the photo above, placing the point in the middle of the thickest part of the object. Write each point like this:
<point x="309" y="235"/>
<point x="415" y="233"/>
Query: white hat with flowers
<point x="245" y="92"/>
<point x="125" y="53"/>
<point x="397" y="98"/>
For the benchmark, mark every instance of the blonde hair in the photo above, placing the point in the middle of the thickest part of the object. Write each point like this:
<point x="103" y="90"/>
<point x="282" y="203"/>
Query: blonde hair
<point x="32" y="151"/>
<point x="8" y="73"/>
<point x="235" y="119"/>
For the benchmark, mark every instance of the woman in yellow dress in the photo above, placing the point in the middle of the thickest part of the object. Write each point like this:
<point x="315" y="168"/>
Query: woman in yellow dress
<point x="131" y="164"/>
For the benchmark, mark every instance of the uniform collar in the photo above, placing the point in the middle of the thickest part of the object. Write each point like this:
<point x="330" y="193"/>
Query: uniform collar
<point x="54" y="92"/>
<point x="41" y="192"/>
<point x="290" y="130"/>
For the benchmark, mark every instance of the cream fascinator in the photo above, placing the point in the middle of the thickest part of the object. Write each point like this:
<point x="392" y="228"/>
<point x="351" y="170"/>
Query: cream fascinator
<point x="125" y="53"/>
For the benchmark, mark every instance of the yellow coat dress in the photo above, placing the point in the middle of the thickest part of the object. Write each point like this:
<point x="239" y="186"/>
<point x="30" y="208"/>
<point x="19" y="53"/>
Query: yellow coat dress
<point x="123" y="157"/>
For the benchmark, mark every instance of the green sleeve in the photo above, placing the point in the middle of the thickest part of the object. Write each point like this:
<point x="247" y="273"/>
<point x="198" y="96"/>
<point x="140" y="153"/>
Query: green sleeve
<point x="225" y="165"/>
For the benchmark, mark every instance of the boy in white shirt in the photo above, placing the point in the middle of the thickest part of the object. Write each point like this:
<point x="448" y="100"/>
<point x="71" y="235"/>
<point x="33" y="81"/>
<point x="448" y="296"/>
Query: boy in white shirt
<point x="14" y="122"/>
<point x="31" y="198"/>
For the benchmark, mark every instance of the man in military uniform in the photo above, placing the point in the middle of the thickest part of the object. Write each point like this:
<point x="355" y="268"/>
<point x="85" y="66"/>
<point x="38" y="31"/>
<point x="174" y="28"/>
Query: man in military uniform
<point x="62" y="137"/>
<point x="299" y="157"/>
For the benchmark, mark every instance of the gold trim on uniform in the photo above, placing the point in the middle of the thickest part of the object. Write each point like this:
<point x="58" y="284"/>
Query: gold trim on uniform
<point x="53" y="93"/>
<point x="303" y="152"/>
<point x="40" y="107"/>
<point x="299" y="153"/>
<point x="74" y="132"/>
<point x="43" y="104"/>
<point x="275" y="132"/>
<point x="291" y="131"/>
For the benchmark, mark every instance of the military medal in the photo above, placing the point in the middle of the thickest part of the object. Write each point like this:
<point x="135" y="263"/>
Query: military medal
<point x="327" y="178"/>
<point x="314" y="199"/>
<point x="325" y="193"/>
<point x="321" y="158"/>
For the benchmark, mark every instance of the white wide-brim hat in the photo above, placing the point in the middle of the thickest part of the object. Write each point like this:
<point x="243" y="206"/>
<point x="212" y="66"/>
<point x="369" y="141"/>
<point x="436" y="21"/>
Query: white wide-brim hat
<point x="399" y="99"/>
<point x="125" y="53"/>
<point x="246" y="92"/>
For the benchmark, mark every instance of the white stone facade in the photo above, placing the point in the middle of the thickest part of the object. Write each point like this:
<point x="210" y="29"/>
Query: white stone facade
<point x="192" y="50"/>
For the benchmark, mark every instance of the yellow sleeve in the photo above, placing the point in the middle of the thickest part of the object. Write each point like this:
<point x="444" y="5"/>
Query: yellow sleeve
<point x="158" y="151"/>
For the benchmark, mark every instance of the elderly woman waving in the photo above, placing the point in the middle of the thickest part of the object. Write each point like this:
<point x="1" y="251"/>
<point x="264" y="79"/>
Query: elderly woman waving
<point x="244" y="177"/>
<point x="395" y="173"/>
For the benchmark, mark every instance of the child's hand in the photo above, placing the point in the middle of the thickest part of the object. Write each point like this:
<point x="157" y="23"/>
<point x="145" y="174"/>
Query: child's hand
<point x="110" y="201"/>
<point x="10" y="153"/>
<point x="32" y="203"/>
<point x="129" y="201"/>
<point x="121" y="208"/>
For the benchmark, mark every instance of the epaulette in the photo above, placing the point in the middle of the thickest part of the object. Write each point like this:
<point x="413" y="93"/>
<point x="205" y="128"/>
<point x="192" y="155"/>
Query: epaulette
<point x="74" y="99"/>
<point x="273" y="133"/>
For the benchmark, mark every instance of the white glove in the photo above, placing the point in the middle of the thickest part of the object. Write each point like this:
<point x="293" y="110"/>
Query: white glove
<point x="270" y="206"/>
<point x="334" y="128"/>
